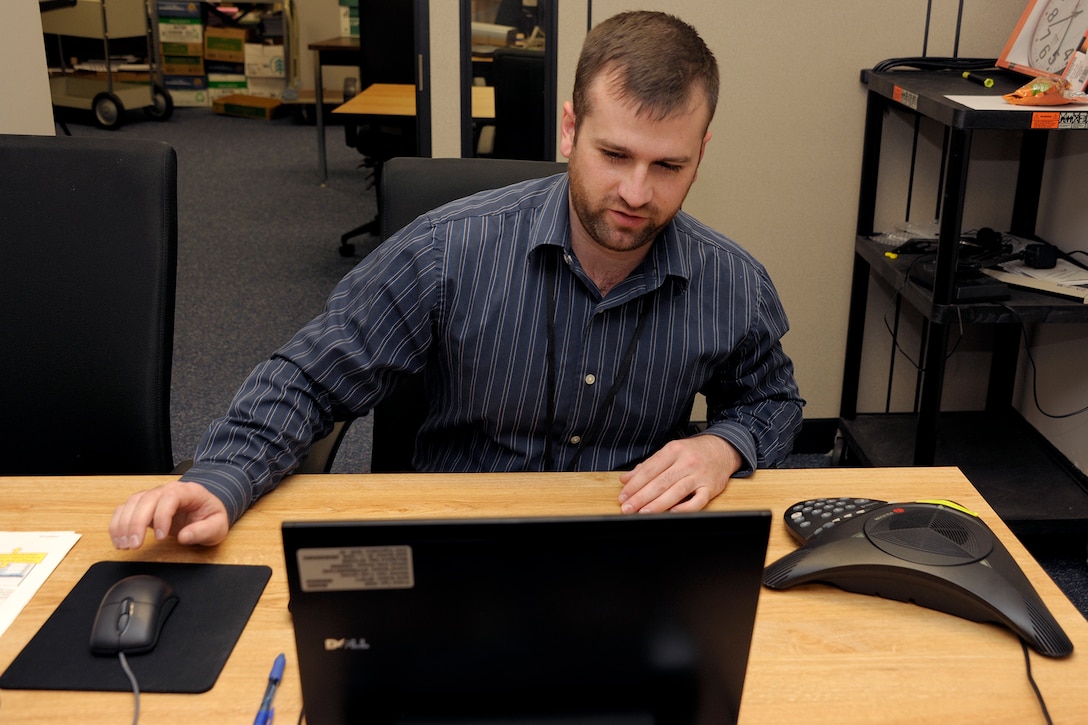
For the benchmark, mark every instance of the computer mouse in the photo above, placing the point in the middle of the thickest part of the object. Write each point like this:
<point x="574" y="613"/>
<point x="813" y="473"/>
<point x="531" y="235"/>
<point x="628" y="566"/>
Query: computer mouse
<point x="131" y="615"/>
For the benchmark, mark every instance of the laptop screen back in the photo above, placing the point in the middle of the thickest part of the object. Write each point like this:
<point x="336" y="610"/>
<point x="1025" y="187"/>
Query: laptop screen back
<point x="612" y="619"/>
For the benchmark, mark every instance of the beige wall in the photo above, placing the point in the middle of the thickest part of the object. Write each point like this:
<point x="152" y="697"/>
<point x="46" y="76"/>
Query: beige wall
<point x="25" y="105"/>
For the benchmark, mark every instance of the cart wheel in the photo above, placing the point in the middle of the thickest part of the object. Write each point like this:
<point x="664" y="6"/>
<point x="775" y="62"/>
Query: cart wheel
<point x="162" y="107"/>
<point x="108" y="111"/>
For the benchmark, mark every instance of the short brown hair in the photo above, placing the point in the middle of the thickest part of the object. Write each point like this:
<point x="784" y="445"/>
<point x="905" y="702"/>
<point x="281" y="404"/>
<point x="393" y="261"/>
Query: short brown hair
<point x="658" y="59"/>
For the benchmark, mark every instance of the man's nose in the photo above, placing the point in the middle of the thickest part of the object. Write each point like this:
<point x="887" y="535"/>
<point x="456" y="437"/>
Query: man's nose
<point x="636" y="190"/>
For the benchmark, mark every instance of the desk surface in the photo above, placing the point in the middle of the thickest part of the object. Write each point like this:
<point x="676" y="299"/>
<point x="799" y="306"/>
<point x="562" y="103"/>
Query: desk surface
<point x="399" y="99"/>
<point x="336" y="44"/>
<point x="819" y="655"/>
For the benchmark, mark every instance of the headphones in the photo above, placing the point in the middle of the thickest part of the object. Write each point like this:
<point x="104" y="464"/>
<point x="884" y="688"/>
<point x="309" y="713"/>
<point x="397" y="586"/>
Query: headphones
<point x="1036" y="255"/>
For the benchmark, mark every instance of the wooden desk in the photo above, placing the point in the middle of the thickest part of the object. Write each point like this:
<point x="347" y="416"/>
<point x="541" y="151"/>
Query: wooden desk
<point x="399" y="99"/>
<point x="819" y="655"/>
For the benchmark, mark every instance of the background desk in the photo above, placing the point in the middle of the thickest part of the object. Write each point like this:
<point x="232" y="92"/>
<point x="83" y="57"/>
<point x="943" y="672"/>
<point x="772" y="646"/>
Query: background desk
<point x="334" y="51"/>
<point x="399" y="99"/>
<point x="819" y="655"/>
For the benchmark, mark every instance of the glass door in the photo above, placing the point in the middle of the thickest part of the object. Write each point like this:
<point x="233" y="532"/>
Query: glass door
<point x="508" y="78"/>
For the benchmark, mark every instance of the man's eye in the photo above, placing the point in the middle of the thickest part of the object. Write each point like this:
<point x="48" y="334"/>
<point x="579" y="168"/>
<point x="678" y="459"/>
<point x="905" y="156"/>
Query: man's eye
<point x="670" y="167"/>
<point x="612" y="155"/>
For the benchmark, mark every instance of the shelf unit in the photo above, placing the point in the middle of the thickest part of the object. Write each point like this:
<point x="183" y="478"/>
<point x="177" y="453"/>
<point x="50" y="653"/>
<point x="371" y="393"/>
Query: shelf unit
<point x="930" y="436"/>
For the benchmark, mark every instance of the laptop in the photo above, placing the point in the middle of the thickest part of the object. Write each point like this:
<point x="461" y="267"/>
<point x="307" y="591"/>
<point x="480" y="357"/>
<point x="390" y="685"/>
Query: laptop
<point x="602" y="620"/>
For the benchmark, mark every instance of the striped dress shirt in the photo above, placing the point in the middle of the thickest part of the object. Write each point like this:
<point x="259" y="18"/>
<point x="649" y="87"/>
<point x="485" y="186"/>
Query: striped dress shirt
<point x="467" y="294"/>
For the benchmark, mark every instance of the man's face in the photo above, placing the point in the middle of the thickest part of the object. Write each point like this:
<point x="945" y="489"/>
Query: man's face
<point x="629" y="175"/>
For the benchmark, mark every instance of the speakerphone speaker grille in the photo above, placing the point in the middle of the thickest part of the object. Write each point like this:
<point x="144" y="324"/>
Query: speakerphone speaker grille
<point x="934" y="531"/>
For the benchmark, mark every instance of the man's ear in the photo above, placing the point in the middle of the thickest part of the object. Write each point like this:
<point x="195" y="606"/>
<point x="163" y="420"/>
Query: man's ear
<point x="566" y="126"/>
<point x="702" y="152"/>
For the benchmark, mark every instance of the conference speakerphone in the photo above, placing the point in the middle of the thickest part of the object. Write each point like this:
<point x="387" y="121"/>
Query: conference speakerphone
<point x="935" y="554"/>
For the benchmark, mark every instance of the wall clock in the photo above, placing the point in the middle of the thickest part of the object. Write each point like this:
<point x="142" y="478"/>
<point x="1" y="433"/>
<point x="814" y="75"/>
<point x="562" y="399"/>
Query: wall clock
<point x="1048" y="36"/>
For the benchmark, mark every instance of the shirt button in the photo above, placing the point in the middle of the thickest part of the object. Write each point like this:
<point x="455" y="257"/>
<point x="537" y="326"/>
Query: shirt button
<point x="575" y="440"/>
<point x="567" y="258"/>
<point x="590" y="379"/>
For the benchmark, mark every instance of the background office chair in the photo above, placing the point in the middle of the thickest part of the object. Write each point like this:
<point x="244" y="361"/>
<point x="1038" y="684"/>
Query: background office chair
<point x="414" y="186"/>
<point x="520" y="107"/>
<point x="387" y="55"/>
<point x="88" y="263"/>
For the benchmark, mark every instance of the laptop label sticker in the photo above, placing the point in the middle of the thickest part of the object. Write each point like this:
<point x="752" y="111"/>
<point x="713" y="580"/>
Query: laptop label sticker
<point x="355" y="568"/>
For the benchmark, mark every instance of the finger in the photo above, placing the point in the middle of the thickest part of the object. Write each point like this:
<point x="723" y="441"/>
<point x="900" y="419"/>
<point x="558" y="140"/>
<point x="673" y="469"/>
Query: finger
<point x="205" y="532"/>
<point x="170" y="501"/>
<point x="697" y="501"/>
<point x="666" y="499"/>
<point x="127" y="527"/>
<point x="642" y="475"/>
<point x="660" y="494"/>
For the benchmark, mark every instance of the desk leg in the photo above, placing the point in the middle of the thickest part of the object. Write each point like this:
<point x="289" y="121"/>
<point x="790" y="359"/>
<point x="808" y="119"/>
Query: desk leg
<point x="319" y="115"/>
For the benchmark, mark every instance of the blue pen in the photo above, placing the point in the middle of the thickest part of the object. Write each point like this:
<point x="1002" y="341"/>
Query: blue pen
<point x="265" y="714"/>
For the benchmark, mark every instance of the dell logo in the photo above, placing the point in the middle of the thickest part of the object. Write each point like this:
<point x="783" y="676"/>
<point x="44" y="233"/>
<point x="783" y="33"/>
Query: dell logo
<point x="350" y="643"/>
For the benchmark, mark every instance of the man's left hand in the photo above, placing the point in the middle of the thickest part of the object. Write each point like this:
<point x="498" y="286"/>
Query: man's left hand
<point x="683" y="476"/>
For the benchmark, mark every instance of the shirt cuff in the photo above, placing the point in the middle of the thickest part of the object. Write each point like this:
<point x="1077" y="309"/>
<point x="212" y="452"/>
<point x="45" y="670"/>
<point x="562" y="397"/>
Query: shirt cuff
<point x="229" y="485"/>
<point x="740" y="438"/>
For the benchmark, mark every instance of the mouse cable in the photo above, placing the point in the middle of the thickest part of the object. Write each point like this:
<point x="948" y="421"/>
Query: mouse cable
<point x="1031" y="681"/>
<point x="135" y="686"/>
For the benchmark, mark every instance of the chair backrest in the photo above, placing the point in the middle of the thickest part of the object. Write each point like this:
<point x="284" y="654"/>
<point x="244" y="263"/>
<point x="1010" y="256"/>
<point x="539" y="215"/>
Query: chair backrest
<point x="88" y="263"/>
<point x="520" y="106"/>
<point x="387" y="55"/>
<point x="413" y="186"/>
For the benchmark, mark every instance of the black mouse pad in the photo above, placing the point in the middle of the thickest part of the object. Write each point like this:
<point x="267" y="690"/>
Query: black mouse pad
<point x="214" y="604"/>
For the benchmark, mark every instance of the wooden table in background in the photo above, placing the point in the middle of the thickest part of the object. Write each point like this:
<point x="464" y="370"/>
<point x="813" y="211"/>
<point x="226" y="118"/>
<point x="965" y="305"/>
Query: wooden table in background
<point x="399" y="99"/>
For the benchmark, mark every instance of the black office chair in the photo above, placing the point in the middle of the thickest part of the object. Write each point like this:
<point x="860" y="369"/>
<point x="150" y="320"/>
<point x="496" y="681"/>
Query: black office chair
<point x="414" y="186"/>
<point x="387" y="55"/>
<point x="520" y="106"/>
<point x="88" y="250"/>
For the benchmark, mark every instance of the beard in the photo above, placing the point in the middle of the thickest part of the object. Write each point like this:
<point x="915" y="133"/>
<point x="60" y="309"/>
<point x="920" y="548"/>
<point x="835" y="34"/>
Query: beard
<point x="597" y="222"/>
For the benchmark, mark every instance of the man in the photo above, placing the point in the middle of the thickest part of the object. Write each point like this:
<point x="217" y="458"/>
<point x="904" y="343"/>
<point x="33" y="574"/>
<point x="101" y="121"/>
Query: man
<point x="562" y="324"/>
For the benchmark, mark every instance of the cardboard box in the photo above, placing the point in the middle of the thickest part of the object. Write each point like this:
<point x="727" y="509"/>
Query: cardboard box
<point x="226" y="84"/>
<point x="248" y="106"/>
<point x="265" y="61"/>
<point x="182" y="65"/>
<point x="181" y="30"/>
<point x="227" y="44"/>
<point x="349" y="24"/>
<point x="185" y="83"/>
<point x="187" y="91"/>
<point x="266" y="87"/>
<point x="195" y="98"/>
<point x="178" y="8"/>
<point x="193" y="49"/>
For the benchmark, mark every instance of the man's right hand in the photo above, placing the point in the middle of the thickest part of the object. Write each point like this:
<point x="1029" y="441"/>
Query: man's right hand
<point x="183" y="509"/>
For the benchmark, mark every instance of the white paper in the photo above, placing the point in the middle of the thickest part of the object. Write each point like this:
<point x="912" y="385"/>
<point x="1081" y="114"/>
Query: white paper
<point x="1063" y="272"/>
<point x="997" y="103"/>
<point x="27" y="558"/>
